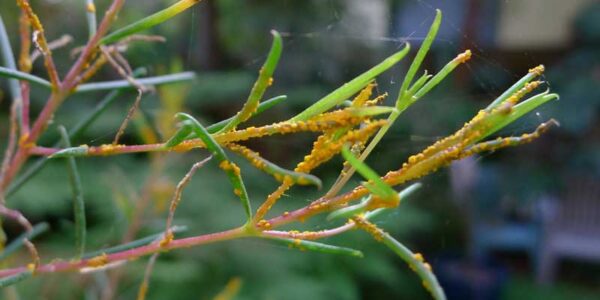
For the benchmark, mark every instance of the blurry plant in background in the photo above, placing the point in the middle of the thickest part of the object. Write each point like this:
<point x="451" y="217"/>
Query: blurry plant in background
<point x="350" y="127"/>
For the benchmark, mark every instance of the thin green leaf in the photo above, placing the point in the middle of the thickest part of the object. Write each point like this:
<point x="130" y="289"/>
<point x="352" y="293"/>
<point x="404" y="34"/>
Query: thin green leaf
<point x="347" y="212"/>
<point x="180" y="135"/>
<point x="513" y="89"/>
<point x="10" y="73"/>
<point x="439" y="76"/>
<point x="419" y="83"/>
<point x="124" y="84"/>
<point x="9" y="61"/>
<point x="230" y="169"/>
<point x="18" y="241"/>
<point x="263" y="81"/>
<point x="263" y="106"/>
<point x="518" y="111"/>
<point x="348" y="89"/>
<point x="305" y="245"/>
<point x="71" y="152"/>
<point x="408" y="191"/>
<point x="410" y="98"/>
<point x="376" y="185"/>
<point x="418" y="265"/>
<point x="402" y="97"/>
<point x="90" y="15"/>
<point x="149" y="21"/>
<point x="134" y="244"/>
<point x="416" y="63"/>
<point x="78" y="201"/>
<point x="10" y="280"/>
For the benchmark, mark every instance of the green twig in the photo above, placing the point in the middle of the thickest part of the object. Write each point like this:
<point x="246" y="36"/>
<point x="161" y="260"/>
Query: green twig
<point x="19" y="241"/>
<point x="535" y="72"/>
<point x="11" y="73"/>
<point x="518" y="111"/>
<point x="134" y="244"/>
<point x="232" y="170"/>
<point x="265" y="76"/>
<point x="10" y="280"/>
<point x="316" y="246"/>
<point x="9" y="61"/>
<point x="148" y="22"/>
<point x="415" y="261"/>
<point x="375" y="185"/>
<point x="78" y="201"/>
<point x="124" y="84"/>
<point x="90" y="15"/>
<point x="416" y="63"/>
<point x="348" y="89"/>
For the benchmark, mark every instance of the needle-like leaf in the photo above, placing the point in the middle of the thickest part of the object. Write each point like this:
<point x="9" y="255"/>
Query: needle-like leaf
<point x="231" y="169"/>
<point x="265" y="77"/>
<point x="78" y="201"/>
<point x="348" y="89"/>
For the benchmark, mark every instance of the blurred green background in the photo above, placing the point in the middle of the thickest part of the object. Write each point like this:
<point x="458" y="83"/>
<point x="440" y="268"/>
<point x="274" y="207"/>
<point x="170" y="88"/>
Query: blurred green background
<point x="326" y="43"/>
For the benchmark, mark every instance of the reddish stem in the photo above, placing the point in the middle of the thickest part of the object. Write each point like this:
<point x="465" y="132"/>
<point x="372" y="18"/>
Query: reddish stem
<point x="24" y="108"/>
<point x="63" y="266"/>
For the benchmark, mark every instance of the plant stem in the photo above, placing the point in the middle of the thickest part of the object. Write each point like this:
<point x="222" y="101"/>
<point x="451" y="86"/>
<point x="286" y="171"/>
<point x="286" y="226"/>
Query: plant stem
<point x="64" y="266"/>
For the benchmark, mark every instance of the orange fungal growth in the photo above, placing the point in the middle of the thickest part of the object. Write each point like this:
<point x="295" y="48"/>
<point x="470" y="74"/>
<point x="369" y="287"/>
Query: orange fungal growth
<point x="107" y="149"/>
<point x="264" y="224"/>
<point x="464" y="57"/>
<point x="377" y="100"/>
<point x="369" y="227"/>
<point x="514" y="99"/>
<point x="419" y="257"/>
<point x="427" y="266"/>
<point x="31" y="267"/>
<point x="538" y="71"/>
<point x="33" y="18"/>
<point x="271" y="200"/>
<point x="98" y="261"/>
<point x="230" y="166"/>
<point x="167" y="239"/>
<point x="324" y="149"/>
<point x="90" y="7"/>
<point x="363" y="96"/>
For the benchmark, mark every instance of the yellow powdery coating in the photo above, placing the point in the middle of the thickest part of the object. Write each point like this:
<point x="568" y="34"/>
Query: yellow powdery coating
<point x="91" y="8"/>
<point x="271" y="200"/>
<point x="363" y="96"/>
<point x="251" y="156"/>
<point x="167" y="239"/>
<point x="264" y="224"/>
<point x="419" y="257"/>
<point x="108" y="149"/>
<point x="98" y="261"/>
<point x="229" y="166"/>
<point x="377" y="100"/>
<point x="369" y="227"/>
<point x="31" y="267"/>
<point x="33" y="18"/>
<point x="509" y="141"/>
<point x="324" y="149"/>
<point x="538" y="71"/>
<point x="522" y="92"/>
<point x="464" y="57"/>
